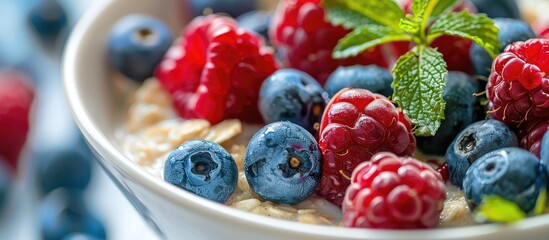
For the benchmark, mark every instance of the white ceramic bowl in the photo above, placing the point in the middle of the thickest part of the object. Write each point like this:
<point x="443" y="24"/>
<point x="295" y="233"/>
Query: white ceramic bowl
<point x="175" y="213"/>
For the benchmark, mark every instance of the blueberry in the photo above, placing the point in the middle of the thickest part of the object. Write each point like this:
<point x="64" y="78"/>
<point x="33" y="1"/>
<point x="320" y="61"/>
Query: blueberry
<point x="544" y="152"/>
<point x="511" y="173"/>
<point x="373" y="78"/>
<point x="498" y="8"/>
<point x="48" y="19"/>
<point x="137" y="44"/>
<point x="474" y="141"/>
<point x="460" y="109"/>
<point x="234" y="8"/>
<point x="5" y="183"/>
<point x="66" y="168"/>
<point x="510" y="31"/>
<point x="64" y="212"/>
<point x="256" y="21"/>
<point x="204" y="168"/>
<point x="79" y="236"/>
<point x="294" y="96"/>
<point x="283" y="163"/>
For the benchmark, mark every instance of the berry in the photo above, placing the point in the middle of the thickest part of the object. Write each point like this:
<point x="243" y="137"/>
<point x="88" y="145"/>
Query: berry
<point x="393" y="192"/>
<point x="372" y="78"/>
<point x="234" y="8"/>
<point x="530" y="135"/>
<point x="510" y="31"/>
<point x="544" y="152"/>
<point x="518" y="90"/>
<point x="216" y="70"/>
<point x="66" y="168"/>
<point x="355" y="125"/>
<point x="48" y="19"/>
<point x="511" y="173"/>
<point x="460" y="109"/>
<point x="306" y="40"/>
<point x="16" y="98"/>
<point x="204" y="168"/>
<point x="256" y="21"/>
<point x="79" y="236"/>
<point x="455" y="50"/>
<point x="498" y="8"/>
<point x="293" y="96"/>
<point x="136" y="45"/>
<point x="474" y="141"/>
<point x="5" y="184"/>
<point x="544" y="32"/>
<point x="64" y="212"/>
<point x="285" y="156"/>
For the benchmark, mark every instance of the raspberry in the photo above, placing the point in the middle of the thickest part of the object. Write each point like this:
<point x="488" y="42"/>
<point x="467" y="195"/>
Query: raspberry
<point x="394" y="192"/>
<point x="215" y="71"/>
<point x="306" y="40"/>
<point x="16" y="97"/>
<point x="357" y="124"/>
<point x="455" y="50"/>
<point x="530" y="135"/>
<point x="517" y="89"/>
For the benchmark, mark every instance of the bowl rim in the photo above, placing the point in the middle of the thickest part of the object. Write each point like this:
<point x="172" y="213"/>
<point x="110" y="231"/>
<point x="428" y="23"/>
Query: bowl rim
<point x="100" y="142"/>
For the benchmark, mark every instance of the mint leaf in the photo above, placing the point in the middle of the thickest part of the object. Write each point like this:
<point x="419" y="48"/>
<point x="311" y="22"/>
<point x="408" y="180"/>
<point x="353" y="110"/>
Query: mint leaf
<point x="365" y="37"/>
<point x="479" y="28"/>
<point x="498" y="209"/>
<point x="384" y="12"/>
<point x="541" y="202"/>
<point x="418" y="87"/>
<point x="422" y="10"/>
<point x="444" y="6"/>
<point x="347" y="18"/>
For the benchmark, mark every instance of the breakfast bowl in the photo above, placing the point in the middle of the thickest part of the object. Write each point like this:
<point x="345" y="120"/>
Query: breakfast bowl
<point x="98" y="105"/>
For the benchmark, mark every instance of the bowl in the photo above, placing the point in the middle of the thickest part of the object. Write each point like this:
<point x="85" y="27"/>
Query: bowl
<point x="98" y="108"/>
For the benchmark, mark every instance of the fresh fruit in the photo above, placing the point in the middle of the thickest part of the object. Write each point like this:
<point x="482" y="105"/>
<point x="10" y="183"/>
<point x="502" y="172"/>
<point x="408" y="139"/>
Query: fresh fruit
<point x="518" y="90"/>
<point x="393" y="192"/>
<point x="234" y="8"/>
<point x="137" y="44"/>
<point x="79" y="236"/>
<point x="544" y="152"/>
<point x="372" y="78"/>
<point x="544" y="32"/>
<point x="5" y="184"/>
<point x="16" y="98"/>
<point x="283" y="163"/>
<point x="66" y="168"/>
<point x="511" y="173"/>
<point x="530" y="135"/>
<point x="460" y="109"/>
<point x="357" y="124"/>
<point x="204" y="168"/>
<point x="474" y="141"/>
<point x="498" y="8"/>
<point x="299" y="30"/>
<point x="64" y="212"/>
<point x="216" y="70"/>
<point x="294" y="96"/>
<point x="455" y="50"/>
<point x="256" y="21"/>
<point x="510" y="31"/>
<point x="48" y="19"/>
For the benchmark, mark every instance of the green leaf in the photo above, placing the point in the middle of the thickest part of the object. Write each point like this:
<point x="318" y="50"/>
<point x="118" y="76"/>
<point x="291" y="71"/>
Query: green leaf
<point x="409" y="26"/>
<point x="347" y="18"/>
<point x="365" y="37"/>
<point x="422" y="10"/>
<point x="384" y="12"/>
<point x="541" y="202"/>
<point x="498" y="209"/>
<point x="479" y="28"/>
<point x="444" y="6"/>
<point x="418" y="87"/>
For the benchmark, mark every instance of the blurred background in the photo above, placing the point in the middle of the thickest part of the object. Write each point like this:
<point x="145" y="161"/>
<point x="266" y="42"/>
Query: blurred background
<point x="50" y="184"/>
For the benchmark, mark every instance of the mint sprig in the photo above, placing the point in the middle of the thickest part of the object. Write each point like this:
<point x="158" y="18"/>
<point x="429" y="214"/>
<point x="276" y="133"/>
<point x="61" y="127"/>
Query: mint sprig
<point x="419" y="74"/>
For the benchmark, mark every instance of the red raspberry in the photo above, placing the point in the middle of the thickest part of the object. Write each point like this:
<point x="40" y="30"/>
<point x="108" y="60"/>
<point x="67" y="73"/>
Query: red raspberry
<point x="306" y="40"/>
<point x="455" y="50"/>
<point x="16" y="97"/>
<point x="530" y="135"/>
<point x="518" y="89"/>
<point x="215" y="71"/>
<point x="357" y="124"/>
<point x="394" y="192"/>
